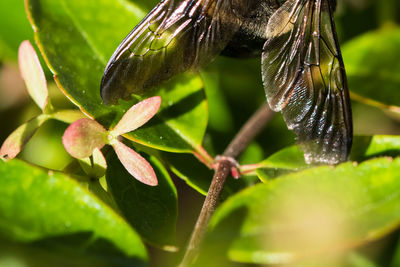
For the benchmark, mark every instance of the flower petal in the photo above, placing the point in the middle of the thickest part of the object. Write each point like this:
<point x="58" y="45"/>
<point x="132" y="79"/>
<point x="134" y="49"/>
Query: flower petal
<point x="83" y="136"/>
<point x="135" y="164"/>
<point x="137" y="115"/>
<point x="16" y="141"/>
<point x="33" y="74"/>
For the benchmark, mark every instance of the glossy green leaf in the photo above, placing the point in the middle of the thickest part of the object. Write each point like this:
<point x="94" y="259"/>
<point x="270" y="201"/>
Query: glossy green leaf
<point x="98" y="187"/>
<point x="152" y="211"/>
<point x="189" y="169"/>
<point x="14" y="28"/>
<point x="37" y="206"/>
<point x="78" y="37"/>
<point x="366" y="147"/>
<point x="197" y="175"/>
<point x="373" y="65"/>
<point x="64" y="251"/>
<point x="282" y="162"/>
<point x="310" y="212"/>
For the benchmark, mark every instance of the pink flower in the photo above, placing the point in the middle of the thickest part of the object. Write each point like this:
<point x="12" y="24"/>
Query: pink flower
<point x="85" y="136"/>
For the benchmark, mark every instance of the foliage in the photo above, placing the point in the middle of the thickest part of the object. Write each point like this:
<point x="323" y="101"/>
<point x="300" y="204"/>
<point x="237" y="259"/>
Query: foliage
<point x="90" y="212"/>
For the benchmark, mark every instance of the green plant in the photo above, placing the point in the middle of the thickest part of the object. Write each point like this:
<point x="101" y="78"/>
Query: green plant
<point x="92" y="211"/>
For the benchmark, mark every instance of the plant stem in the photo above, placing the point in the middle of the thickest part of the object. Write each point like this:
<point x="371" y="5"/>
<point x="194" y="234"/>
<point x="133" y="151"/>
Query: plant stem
<point x="252" y="128"/>
<point x="202" y="155"/>
<point x="374" y="103"/>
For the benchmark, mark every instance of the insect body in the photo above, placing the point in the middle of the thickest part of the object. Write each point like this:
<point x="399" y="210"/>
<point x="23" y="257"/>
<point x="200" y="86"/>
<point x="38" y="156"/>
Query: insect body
<point x="302" y="67"/>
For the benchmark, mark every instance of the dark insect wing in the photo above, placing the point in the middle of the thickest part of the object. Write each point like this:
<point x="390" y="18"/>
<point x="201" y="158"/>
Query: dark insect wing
<point x="304" y="77"/>
<point x="175" y="36"/>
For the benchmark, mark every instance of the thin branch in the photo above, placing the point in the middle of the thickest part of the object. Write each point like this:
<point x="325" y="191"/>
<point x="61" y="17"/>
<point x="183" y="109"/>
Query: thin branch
<point x="250" y="130"/>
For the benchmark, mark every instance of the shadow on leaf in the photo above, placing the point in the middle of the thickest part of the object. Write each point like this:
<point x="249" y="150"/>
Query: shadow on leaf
<point x="78" y="249"/>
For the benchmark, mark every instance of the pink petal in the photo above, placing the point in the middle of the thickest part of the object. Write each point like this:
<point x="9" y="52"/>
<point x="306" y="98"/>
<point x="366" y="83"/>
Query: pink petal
<point x="135" y="164"/>
<point x="83" y="136"/>
<point x="33" y="74"/>
<point x="16" y="141"/>
<point x="137" y="115"/>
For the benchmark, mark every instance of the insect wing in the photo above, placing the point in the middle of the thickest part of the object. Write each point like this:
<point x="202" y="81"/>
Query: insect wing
<point x="175" y="36"/>
<point x="304" y="77"/>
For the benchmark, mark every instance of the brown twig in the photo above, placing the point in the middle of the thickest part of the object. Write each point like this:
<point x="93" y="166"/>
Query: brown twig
<point x="250" y="130"/>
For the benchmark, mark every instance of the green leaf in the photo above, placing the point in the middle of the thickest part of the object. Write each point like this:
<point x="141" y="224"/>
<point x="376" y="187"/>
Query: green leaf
<point x="197" y="175"/>
<point x="146" y="5"/>
<point x="373" y="66"/>
<point x="189" y="169"/>
<point x="287" y="160"/>
<point x="282" y="162"/>
<point x="253" y="153"/>
<point x="311" y="212"/>
<point x="14" y="28"/>
<point x="71" y="250"/>
<point x="221" y="119"/>
<point x="291" y="159"/>
<point x="78" y="57"/>
<point x="152" y="211"/>
<point x="366" y="147"/>
<point x="36" y="206"/>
